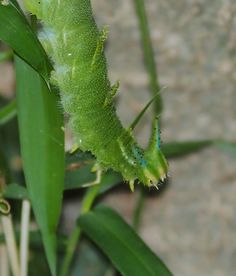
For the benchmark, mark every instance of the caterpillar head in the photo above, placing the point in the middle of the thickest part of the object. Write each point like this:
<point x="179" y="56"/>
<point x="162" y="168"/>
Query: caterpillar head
<point x="156" y="168"/>
<point x="153" y="167"/>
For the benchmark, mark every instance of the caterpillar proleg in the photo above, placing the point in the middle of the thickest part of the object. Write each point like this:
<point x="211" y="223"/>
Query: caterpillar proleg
<point x="71" y="38"/>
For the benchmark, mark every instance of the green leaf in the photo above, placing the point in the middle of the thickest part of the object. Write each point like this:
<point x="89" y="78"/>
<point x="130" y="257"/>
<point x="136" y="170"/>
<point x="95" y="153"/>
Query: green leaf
<point x="4" y="170"/>
<point x="15" y="191"/>
<point x="8" y="112"/>
<point x="84" y="175"/>
<point x="15" y="3"/>
<point x="142" y="112"/>
<point x="79" y="171"/>
<point x="148" y="52"/>
<point x="17" y="33"/>
<point x="42" y="150"/>
<point x="129" y="254"/>
<point x="178" y="149"/>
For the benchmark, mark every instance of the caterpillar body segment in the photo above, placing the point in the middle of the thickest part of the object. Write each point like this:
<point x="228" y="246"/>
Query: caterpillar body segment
<point x="72" y="40"/>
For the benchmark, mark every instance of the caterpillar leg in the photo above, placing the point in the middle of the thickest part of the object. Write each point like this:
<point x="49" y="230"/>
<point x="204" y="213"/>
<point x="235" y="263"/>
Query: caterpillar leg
<point x="131" y="185"/>
<point x="97" y="181"/>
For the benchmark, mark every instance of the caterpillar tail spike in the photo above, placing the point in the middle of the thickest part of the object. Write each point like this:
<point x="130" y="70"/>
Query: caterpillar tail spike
<point x="131" y="185"/>
<point x="76" y="47"/>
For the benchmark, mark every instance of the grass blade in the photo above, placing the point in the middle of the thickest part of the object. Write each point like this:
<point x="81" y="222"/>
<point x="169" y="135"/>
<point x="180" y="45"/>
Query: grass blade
<point x="15" y="191"/>
<point x="179" y="149"/>
<point x="17" y="33"/>
<point x="148" y="53"/>
<point x="42" y="150"/>
<point x="8" y="112"/>
<point x="115" y="237"/>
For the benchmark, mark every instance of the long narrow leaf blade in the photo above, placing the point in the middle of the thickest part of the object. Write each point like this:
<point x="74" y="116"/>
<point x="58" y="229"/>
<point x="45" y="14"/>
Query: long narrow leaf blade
<point x="178" y="149"/>
<point x="15" y="191"/>
<point x="42" y="149"/>
<point x="17" y="33"/>
<point x="8" y="112"/>
<point x="129" y="254"/>
<point x="140" y="115"/>
<point x="148" y="53"/>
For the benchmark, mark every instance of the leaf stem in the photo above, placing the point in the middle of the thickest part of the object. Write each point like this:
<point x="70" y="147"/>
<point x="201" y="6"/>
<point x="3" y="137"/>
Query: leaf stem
<point x="24" y="240"/>
<point x="4" y="263"/>
<point x="148" y="52"/>
<point x="139" y="208"/>
<point x="75" y="236"/>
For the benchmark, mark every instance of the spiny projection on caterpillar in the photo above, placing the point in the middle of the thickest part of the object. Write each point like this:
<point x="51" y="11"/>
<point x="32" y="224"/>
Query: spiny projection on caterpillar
<point x="71" y="38"/>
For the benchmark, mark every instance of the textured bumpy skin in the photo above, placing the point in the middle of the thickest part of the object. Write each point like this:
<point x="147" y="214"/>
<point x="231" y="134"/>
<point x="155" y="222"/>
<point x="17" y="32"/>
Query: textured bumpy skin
<point x="76" y="47"/>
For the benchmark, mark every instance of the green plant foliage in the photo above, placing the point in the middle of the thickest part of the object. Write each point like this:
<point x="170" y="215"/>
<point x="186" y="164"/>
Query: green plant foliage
<point x="15" y="191"/>
<point x="8" y="112"/>
<point x="148" y="53"/>
<point x="42" y="149"/>
<point x="121" y="244"/>
<point x="178" y="149"/>
<point x="17" y="33"/>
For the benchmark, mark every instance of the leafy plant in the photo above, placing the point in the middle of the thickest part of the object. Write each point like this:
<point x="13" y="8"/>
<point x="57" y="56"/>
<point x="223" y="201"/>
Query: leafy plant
<point x="49" y="171"/>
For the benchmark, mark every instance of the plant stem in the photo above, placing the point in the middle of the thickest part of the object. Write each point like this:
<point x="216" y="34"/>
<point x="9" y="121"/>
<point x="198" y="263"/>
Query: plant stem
<point x="148" y="53"/>
<point x="24" y="240"/>
<point x="11" y="244"/>
<point x="153" y="83"/>
<point x="138" y="209"/>
<point x="75" y="236"/>
<point x="4" y="263"/>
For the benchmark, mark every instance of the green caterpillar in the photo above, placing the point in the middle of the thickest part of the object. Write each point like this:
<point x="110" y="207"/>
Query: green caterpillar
<point x="76" y="46"/>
